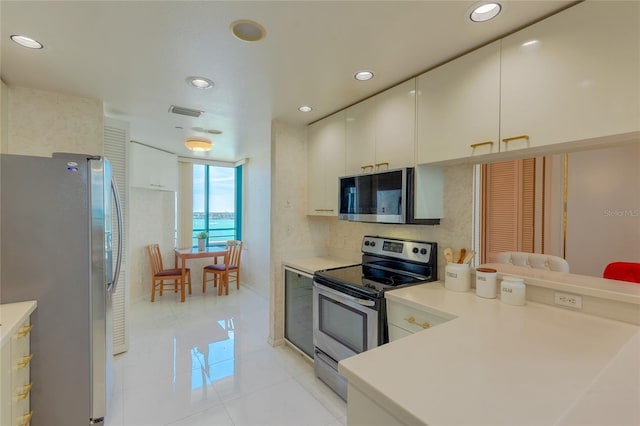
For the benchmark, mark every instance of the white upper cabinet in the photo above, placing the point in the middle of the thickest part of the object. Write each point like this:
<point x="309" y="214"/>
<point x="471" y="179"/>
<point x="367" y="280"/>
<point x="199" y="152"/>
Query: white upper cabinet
<point x="459" y="107"/>
<point x="573" y="76"/>
<point x="326" y="163"/>
<point x="361" y="126"/>
<point x="152" y="169"/>
<point x="381" y="131"/>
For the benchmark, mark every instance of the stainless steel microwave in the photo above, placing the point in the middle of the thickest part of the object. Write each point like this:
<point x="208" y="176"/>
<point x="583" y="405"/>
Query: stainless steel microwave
<point x="383" y="197"/>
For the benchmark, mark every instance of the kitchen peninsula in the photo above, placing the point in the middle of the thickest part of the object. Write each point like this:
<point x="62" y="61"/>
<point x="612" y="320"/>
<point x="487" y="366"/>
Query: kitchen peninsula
<point x="497" y="364"/>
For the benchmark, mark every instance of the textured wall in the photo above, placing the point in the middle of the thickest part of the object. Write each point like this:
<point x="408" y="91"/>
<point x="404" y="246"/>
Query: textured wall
<point x="151" y="220"/>
<point x="41" y="123"/>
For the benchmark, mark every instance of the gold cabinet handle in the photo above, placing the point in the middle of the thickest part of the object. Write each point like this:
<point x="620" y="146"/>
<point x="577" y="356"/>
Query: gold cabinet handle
<point x="412" y="320"/>
<point x="475" y="145"/>
<point x="368" y="166"/>
<point x="515" y="138"/>
<point x="323" y="210"/>
<point x="26" y="389"/>
<point x="25" y="361"/>
<point x="24" y="331"/>
<point x="382" y="164"/>
<point x="26" y="419"/>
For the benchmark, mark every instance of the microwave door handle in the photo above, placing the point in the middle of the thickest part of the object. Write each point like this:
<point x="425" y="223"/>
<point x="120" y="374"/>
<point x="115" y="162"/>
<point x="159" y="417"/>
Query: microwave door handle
<point x="362" y="302"/>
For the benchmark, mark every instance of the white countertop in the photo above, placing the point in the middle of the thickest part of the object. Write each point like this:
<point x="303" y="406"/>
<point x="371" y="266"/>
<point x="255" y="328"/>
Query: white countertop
<point x="574" y="283"/>
<point x="12" y="315"/>
<point x="318" y="263"/>
<point x="498" y="364"/>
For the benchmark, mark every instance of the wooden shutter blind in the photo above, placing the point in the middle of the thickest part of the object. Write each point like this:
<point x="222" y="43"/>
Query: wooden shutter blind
<point x="508" y="201"/>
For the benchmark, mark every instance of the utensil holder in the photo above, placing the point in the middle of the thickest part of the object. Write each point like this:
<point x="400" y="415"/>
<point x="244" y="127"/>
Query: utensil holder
<point x="457" y="277"/>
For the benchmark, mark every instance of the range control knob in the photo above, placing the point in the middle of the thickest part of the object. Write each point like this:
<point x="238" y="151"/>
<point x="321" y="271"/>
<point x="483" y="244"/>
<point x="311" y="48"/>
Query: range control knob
<point x="415" y="250"/>
<point x="423" y="251"/>
<point x="373" y="243"/>
<point x="366" y="242"/>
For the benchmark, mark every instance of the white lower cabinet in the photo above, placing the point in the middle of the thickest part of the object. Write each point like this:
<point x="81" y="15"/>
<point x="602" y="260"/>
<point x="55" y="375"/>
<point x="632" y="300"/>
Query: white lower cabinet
<point x="363" y="411"/>
<point x="15" y="383"/>
<point x="404" y="320"/>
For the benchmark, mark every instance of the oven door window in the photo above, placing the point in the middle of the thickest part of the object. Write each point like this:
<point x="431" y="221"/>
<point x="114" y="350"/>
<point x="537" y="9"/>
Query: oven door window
<point x="343" y="323"/>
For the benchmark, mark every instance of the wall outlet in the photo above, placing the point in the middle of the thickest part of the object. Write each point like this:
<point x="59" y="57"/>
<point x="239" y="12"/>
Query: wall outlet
<point x="569" y="300"/>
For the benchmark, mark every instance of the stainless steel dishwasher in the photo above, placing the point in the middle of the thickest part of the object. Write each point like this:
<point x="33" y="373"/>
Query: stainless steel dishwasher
<point x="298" y="310"/>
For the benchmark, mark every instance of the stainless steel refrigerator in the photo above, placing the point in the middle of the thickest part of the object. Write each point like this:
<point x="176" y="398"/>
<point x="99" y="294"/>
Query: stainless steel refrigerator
<point x="56" y="248"/>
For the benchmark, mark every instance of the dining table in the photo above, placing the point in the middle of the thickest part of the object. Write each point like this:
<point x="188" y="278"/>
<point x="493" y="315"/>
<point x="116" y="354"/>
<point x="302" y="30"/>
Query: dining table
<point x="182" y="254"/>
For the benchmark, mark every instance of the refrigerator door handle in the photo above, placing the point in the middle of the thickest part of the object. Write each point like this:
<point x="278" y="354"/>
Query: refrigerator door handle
<point x="116" y="197"/>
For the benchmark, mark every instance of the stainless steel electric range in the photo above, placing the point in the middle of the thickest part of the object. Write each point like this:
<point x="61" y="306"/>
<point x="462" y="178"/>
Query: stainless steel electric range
<point x="349" y="309"/>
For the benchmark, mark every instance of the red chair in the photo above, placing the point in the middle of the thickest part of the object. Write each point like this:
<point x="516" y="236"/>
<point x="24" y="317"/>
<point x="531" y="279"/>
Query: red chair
<point x="623" y="271"/>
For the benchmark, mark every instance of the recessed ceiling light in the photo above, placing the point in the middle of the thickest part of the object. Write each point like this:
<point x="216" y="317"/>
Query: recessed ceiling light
<point x="26" y="42"/>
<point x="363" y="75"/>
<point x="305" y="108"/>
<point x="198" y="144"/>
<point x="247" y="30"/>
<point x="484" y="11"/>
<point x="200" y="82"/>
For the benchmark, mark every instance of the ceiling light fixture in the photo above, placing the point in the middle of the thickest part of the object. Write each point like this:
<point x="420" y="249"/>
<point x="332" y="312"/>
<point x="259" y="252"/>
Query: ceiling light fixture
<point x="247" y="30"/>
<point x="363" y="75"/>
<point x="197" y="144"/>
<point x="200" y="82"/>
<point x="305" y="108"/>
<point x="484" y="11"/>
<point x="26" y="42"/>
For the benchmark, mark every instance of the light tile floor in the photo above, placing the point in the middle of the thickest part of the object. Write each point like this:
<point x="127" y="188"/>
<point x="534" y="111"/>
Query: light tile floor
<point x="207" y="362"/>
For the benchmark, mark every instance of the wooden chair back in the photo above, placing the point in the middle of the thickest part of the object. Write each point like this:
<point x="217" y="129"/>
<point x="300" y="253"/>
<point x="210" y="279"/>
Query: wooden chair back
<point x="232" y="256"/>
<point x="155" y="257"/>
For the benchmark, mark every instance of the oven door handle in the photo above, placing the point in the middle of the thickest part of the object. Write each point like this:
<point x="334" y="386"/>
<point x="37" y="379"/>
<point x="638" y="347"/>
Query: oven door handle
<point x="363" y="302"/>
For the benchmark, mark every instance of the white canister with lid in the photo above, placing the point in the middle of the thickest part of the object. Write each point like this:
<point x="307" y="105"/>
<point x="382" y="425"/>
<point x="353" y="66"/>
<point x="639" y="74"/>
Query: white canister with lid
<point x="512" y="291"/>
<point x="486" y="283"/>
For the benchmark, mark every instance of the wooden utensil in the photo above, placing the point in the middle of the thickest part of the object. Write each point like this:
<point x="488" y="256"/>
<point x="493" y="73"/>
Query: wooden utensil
<point x="448" y="254"/>
<point x="463" y="252"/>
<point x="469" y="256"/>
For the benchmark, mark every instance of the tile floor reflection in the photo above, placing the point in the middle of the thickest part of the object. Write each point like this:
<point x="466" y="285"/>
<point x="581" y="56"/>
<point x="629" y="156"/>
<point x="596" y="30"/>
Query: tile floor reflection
<point x="207" y="362"/>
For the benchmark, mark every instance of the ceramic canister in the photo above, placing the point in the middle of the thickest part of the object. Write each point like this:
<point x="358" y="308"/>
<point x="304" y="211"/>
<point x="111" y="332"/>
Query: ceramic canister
<point x="457" y="277"/>
<point x="512" y="290"/>
<point x="487" y="283"/>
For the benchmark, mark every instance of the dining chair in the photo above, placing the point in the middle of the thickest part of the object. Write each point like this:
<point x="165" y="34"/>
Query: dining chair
<point x="159" y="274"/>
<point x="226" y="271"/>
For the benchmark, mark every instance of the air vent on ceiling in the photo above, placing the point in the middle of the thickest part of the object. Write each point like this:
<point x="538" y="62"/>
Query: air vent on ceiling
<point x="185" y="111"/>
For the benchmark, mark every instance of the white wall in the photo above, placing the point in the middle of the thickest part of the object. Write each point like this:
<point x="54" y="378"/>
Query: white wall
<point x="41" y="123"/>
<point x="256" y="219"/>
<point x="151" y="220"/>
<point x="603" y="208"/>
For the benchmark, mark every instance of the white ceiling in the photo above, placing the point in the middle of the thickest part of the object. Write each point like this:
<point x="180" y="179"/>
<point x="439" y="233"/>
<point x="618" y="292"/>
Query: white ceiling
<point x="136" y="56"/>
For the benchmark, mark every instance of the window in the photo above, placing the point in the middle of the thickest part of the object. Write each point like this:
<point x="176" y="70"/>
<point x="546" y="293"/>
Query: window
<point x="217" y="195"/>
